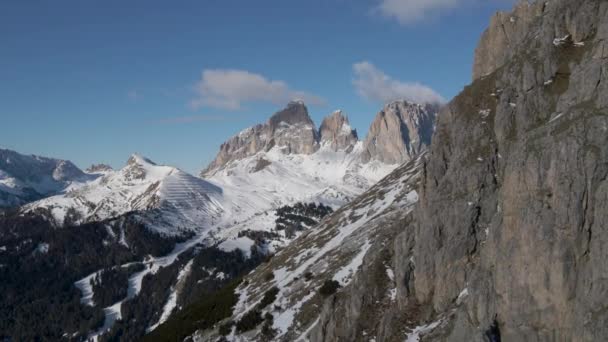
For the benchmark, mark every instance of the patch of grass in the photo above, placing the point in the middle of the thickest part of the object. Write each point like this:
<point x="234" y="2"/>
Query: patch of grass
<point x="203" y="314"/>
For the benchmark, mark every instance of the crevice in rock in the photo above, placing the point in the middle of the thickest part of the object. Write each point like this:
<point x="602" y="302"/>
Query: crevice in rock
<point x="492" y="334"/>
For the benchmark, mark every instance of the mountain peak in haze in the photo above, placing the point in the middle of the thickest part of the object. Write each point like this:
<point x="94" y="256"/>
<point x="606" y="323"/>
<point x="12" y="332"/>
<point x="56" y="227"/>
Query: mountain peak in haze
<point x="26" y="178"/>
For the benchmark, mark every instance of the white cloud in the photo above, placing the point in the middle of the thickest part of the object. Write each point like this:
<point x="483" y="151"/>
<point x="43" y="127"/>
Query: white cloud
<point x="229" y="89"/>
<point x="412" y="11"/>
<point x="373" y="84"/>
<point x="409" y="11"/>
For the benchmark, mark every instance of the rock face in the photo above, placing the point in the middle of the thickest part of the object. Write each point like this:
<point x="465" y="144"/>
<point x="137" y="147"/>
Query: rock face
<point x="505" y="33"/>
<point x="513" y="205"/>
<point x="99" y="168"/>
<point x="291" y="129"/>
<point x="399" y="132"/>
<point x="336" y="132"/>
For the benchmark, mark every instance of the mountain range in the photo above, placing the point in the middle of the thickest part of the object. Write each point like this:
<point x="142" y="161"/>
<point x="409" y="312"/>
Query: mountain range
<point x="267" y="186"/>
<point x="483" y="219"/>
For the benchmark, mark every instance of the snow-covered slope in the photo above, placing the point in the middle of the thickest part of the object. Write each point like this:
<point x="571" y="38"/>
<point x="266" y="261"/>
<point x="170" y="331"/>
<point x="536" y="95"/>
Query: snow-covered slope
<point x="252" y="193"/>
<point x="28" y="178"/>
<point x="259" y="170"/>
<point x="171" y="201"/>
<point x="333" y="250"/>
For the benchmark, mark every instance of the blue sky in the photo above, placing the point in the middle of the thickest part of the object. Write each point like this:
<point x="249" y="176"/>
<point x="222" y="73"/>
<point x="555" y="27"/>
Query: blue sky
<point x="94" y="81"/>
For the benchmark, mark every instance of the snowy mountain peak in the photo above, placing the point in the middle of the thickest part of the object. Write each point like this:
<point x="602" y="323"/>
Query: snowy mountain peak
<point x="188" y="203"/>
<point x="138" y="159"/>
<point x="399" y="132"/>
<point x="26" y="178"/>
<point x="291" y="130"/>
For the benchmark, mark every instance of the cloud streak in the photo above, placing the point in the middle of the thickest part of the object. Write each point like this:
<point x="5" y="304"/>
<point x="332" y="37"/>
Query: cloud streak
<point x="373" y="84"/>
<point x="230" y="89"/>
<point x="411" y="11"/>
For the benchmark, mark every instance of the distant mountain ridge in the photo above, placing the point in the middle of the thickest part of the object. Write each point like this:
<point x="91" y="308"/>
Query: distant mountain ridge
<point x="400" y="131"/>
<point x="269" y="184"/>
<point x="26" y="178"/>
<point x="183" y="200"/>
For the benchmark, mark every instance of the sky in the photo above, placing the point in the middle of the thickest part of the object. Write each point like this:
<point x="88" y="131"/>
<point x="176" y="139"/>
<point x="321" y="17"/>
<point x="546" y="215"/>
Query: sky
<point x="95" y="81"/>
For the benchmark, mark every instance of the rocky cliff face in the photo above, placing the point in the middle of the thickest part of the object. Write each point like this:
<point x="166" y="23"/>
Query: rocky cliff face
<point x="513" y="205"/>
<point x="336" y="132"/>
<point x="399" y="132"/>
<point x="508" y="239"/>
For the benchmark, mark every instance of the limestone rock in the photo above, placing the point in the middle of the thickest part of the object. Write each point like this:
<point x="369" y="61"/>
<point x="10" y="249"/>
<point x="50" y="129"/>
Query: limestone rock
<point x="399" y="132"/>
<point x="336" y="132"/>
<point x="513" y="204"/>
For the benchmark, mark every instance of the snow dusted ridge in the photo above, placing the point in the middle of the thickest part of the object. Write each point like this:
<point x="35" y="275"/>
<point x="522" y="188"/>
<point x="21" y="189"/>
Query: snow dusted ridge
<point x="28" y="178"/>
<point x="334" y="249"/>
<point x="184" y="201"/>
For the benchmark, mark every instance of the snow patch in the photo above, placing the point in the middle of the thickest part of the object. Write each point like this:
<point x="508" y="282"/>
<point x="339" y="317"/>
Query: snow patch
<point x="345" y="275"/>
<point x="414" y="336"/>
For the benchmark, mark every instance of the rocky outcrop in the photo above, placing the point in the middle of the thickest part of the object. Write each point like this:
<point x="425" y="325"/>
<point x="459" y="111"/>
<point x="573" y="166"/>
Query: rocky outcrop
<point x="336" y="132"/>
<point x="399" y="132"/>
<point x="513" y="205"/>
<point x="291" y="129"/>
<point x="99" y="168"/>
<point x="503" y="36"/>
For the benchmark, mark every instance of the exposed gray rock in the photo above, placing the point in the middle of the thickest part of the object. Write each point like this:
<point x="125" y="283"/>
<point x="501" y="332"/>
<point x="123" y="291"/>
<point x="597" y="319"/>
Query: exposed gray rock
<point x="99" y="168"/>
<point x="513" y="204"/>
<point x="336" y="132"/>
<point x="399" y="132"/>
<point x="503" y="36"/>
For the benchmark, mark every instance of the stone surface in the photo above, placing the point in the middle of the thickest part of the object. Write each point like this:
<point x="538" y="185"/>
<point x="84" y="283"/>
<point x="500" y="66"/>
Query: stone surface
<point x="336" y="132"/>
<point x="513" y="205"/>
<point x="399" y="132"/>
<point x="99" y="168"/>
